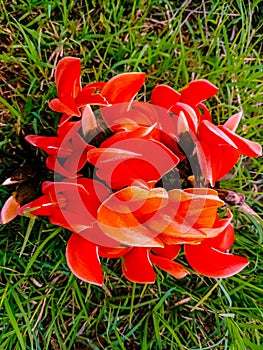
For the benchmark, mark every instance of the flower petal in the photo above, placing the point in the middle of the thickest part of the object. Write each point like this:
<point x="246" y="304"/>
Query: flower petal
<point x="168" y="251"/>
<point x="172" y="267"/>
<point x="95" y="235"/>
<point x="216" y="160"/>
<point x="211" y="262"/>
<point x="88" y="97"/>
<point x="67" y="77"/>
<point x="64" y="105"/>
<point x="137" y="267"/>
<point x="49" y="144"/>
<point x="9" y="210"/>
<point x="165" y="96"/>
<point x="212" y="134"/>
<point x="112" y="252"/>
<point x="224" y="240"/>
<point x="41" y="206"/>
<point x="83" y="259"/>
<point x="123" y="87"/>
<point x="197" y="91"/>
<point x="246" y="147"/>
<point x="233" y="122"/>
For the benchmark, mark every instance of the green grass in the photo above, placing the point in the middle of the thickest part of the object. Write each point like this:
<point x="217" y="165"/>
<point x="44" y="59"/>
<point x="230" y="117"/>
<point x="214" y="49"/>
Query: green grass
<point x="42" y="305"/>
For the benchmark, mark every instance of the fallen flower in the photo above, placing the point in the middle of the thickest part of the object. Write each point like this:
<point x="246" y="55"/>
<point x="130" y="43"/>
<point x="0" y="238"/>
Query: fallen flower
<point x="111" y="191"/>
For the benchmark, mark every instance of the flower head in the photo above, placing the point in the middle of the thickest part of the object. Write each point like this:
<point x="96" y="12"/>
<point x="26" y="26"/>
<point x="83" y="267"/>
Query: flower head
<point x="123" y="195"/>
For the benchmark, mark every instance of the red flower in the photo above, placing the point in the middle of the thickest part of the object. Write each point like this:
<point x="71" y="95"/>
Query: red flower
<point x="188" y="100"/>
<point x="66" y="152"/>
<point x="219" y="148"/>
<point x="119" y="213"/>
<point x="71" y="96"/>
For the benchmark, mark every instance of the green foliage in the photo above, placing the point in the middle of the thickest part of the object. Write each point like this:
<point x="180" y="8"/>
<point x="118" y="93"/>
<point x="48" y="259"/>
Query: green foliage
<point x="42" y="306"/>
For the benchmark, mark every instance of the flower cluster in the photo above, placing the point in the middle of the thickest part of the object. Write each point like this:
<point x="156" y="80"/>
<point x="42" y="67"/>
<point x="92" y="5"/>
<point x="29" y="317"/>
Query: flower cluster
<point x="136" y="180"/>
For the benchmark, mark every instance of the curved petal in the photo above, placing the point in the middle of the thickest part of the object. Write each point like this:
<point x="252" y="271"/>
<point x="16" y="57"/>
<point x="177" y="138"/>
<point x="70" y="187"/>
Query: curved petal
<point x="88" y="97"/>
<point x="197" y="91"/>
<point x="83" y="259"/>
<point x="49" y="144"/>
<point x="165" y="96"/>
<point x="100" y="156"/>
<point x="95" y="235"/>
<point x="121" y="216"/>
<point x="213" y="161"/>
<point x="246" y="147"/>
<point x="189" y="114"/>
<point x="203" y="112"/>
<point x="212" y="134"/>
<point x="9" y="210"/>
<point x="140" y="132"/>
<point x="233" y="122"/>
<point x="123" y="87"/>
<point x="146" y="160"/>
<point x="137" y="267"/>
<point x="67" y="77"/>
<point x="41" y="206"/>
<point x="130" y="115"/>
<point x="211" y="262"/>
<point x="172" y="267"/>
<point x="64" y="105"/>
<point x="224" y="240"/>
<point x="112" y="252"/>
<point x="168" y="251"/>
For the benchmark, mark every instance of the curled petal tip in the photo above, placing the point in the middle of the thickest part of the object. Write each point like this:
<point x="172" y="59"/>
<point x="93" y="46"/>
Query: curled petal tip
<point x="9" y="210"/>
<point x="211" y="262"/>
<point x="83" y="260"/>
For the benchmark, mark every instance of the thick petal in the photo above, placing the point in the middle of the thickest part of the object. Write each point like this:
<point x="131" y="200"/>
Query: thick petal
<point x="122" y="215"/>
<point x="246" y="147"/>
<point x="224" y="240"/>
<point x="140" y="132"/>
<point x="212" y="134"/>
<point x="165" y="96"/>
<point x="219" y="226"/>
<point x="88" y="120"/>
<point x="216" y="160"/>
<point x="130" y="115"/>
<point x="100" y="156"/>
<point x="41" y="206"/>
<point x="123" y="87"/>
<point x="123" y="226"/>
<point x="112" y="252"/>
<point x="211" y="262"/>
<point x="88" y="97"/>
<point x="137" y="267"/>
<point x="168" y="251"/>
<point x="189" y="114"/>
<point x="203" y="112"/>
<point x="146" y="160"/>
<point x="64" y="105"/>
<point x="49" y="144"/>
<point x="233" y="122"/>
<point x="95" y="235"/>
<point x="67" y="77"/>
<point x="9" y="210"/>
<point x="83" y="259"/>
<point x="172" y="267"/>
<point x="197" y="91"/>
